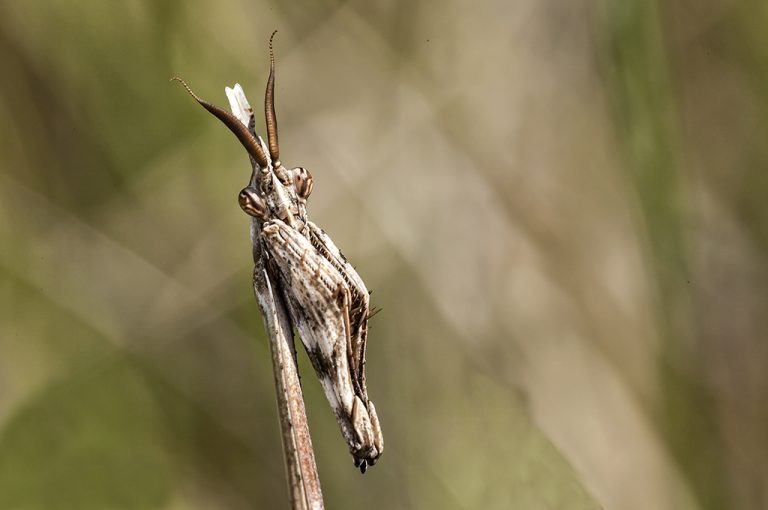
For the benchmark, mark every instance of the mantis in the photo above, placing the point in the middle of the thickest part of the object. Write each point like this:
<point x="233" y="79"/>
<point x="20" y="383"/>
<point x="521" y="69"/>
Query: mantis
<point x="327" y="301"/>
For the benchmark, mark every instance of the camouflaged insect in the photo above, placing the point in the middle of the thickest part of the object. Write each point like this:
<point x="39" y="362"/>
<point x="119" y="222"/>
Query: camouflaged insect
<point x="327" y="300"/>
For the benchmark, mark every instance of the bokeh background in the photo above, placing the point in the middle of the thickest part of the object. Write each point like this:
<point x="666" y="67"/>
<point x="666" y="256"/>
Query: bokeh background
<point x="560" y="207"/>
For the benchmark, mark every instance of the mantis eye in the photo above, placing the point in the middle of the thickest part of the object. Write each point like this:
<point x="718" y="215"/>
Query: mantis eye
<point x="302" y="180"/>
<point x="252" y="203"/>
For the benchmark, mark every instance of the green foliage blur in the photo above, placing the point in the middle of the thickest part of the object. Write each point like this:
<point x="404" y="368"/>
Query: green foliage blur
<point x="561" y="208"/>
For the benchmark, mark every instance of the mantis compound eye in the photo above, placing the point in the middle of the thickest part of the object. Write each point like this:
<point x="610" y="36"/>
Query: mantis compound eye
<point x="302" y="180"/>
<point x="252" y="203"/>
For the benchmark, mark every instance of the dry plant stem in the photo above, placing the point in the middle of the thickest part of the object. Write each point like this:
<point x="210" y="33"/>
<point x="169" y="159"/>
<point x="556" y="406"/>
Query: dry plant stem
<point x="301" y="471"/>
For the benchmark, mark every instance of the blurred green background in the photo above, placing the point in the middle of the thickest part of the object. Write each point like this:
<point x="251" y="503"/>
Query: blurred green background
<point x="560" y="207"/>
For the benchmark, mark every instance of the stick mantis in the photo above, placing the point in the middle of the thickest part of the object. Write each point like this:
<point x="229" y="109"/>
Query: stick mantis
<point x="328" y="303"/>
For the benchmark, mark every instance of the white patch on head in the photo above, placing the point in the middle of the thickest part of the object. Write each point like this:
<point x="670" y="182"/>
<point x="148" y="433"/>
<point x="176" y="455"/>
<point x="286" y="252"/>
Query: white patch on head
<point x="239" y="104"/>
